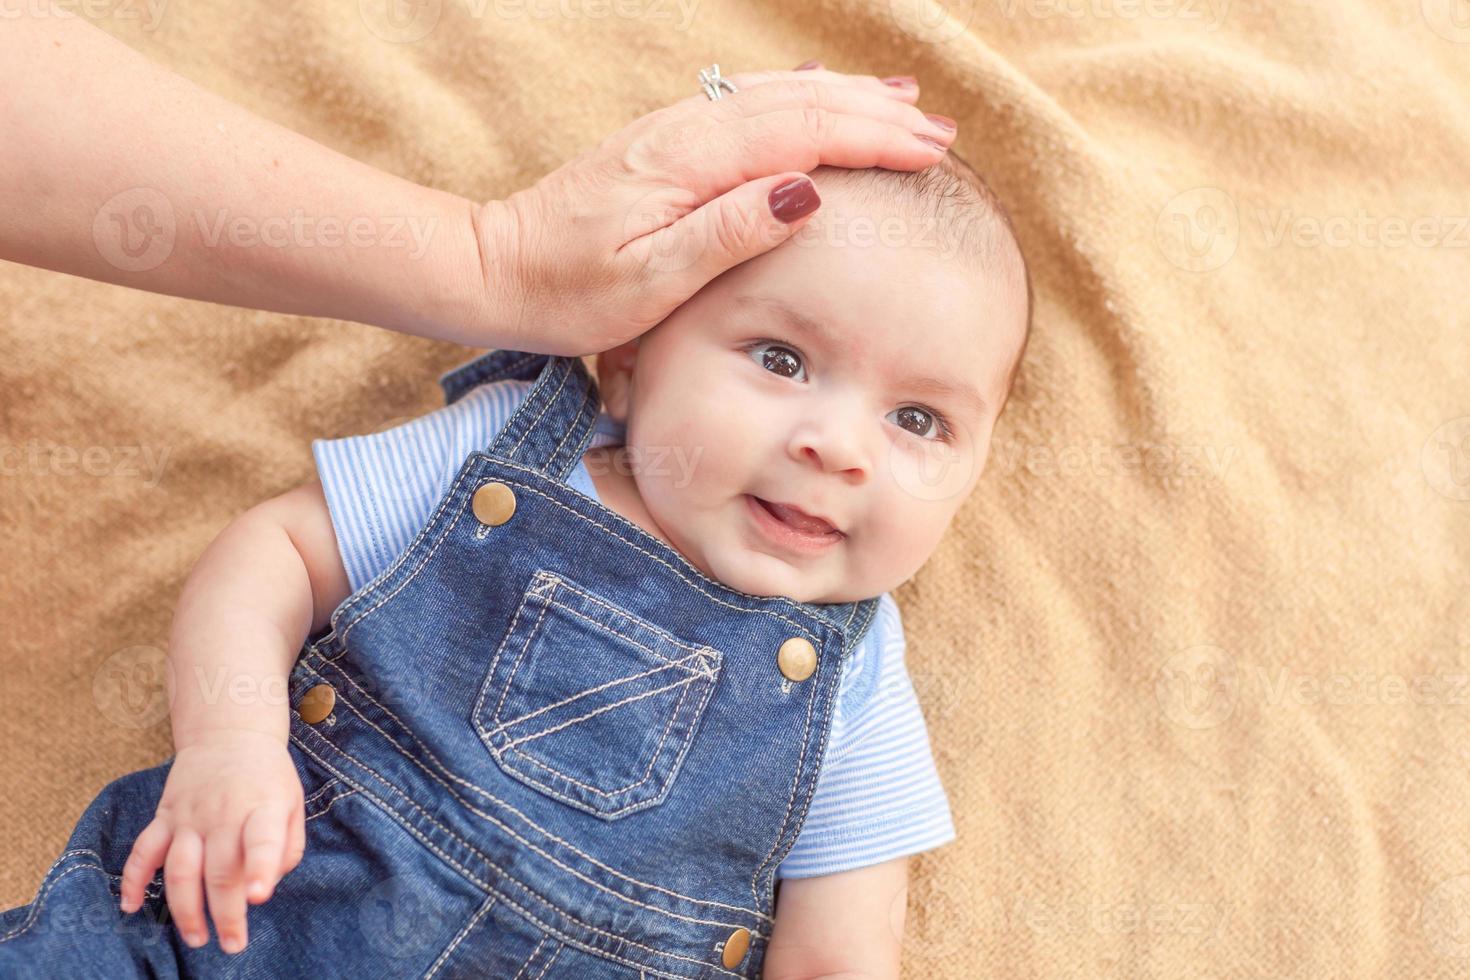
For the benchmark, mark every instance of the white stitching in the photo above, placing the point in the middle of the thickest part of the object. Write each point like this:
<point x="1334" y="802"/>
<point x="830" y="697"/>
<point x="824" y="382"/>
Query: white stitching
<point x="509" y="830"/>
<point x="490" y="889"/>
<point x="550" y="960"/>
<point x="692" y="676"/>
<point x="682" y="682"/>
<point x="785" y="820"/>
<point x="667" y="728"/>
<point x="532" y="958"/>
<point x="549" y="401"/>
<point x="335" y="800"/>
<point x="459" y="938"/>
<point x="530" y="638"/>
<point x="45" y="893"/>
<point x="491" y="819"/>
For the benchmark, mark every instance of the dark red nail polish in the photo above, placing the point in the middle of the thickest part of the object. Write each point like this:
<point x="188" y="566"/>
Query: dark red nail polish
<point x="931" y="141"/>
<point x="807" y="66"/>
<point x="943" y="122"/>
<point x="901" y="81"/>
<point x="794" y="199"/>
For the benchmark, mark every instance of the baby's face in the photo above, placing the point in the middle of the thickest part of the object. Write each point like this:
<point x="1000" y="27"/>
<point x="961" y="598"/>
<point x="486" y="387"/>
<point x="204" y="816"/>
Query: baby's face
<point x="853" y="376"/>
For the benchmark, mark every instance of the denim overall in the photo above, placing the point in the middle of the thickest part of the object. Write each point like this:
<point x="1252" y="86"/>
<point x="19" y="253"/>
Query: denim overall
<point x="539" y="745"/>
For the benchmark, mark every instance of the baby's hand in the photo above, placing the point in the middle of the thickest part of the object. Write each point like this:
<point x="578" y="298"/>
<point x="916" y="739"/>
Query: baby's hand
<point x="231" y="812"/>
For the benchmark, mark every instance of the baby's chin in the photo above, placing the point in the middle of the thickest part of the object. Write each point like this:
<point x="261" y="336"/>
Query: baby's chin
<point x="768" y="577"/>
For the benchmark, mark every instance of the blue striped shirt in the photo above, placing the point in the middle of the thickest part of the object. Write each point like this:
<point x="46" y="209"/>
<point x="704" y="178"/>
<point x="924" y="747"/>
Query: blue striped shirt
<point x="878" y="795"/>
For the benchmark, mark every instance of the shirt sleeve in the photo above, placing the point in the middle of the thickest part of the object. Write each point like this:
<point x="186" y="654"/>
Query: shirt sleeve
<point x="381" y="488"/>
<point x="878" y="795"/>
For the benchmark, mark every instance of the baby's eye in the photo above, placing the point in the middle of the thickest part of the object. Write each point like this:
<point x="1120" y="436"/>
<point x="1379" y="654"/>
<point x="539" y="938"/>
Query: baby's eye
<point x="922" y="423"/>
<point x="777" y="359"/>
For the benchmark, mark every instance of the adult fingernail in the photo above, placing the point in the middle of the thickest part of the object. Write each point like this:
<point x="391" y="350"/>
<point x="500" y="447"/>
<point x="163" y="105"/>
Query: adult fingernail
<point x="196" y="940"/>
<point x="807" y="66"/>
<point x="232" y="945"/>
<point x="901" y="81"/>
<point x="930" y="141"/>
<point x="793" y="199"/>
<point x="943" y="122"/>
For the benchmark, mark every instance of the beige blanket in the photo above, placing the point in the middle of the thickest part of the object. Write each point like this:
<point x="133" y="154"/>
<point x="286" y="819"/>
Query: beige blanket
<point x="1194" y="656"/>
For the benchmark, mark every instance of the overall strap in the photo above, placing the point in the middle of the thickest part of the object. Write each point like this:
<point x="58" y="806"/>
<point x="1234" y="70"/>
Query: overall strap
<point x="554" y="425"/>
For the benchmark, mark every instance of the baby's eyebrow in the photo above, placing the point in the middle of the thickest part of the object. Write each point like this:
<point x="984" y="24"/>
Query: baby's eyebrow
<point x="814" y="328"/>
<point x="800" y="321"/>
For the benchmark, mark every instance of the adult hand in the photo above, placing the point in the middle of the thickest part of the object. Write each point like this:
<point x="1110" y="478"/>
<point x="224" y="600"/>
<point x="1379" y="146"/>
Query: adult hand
<point x="587" y="258"/>
<point x="606" y="246"/>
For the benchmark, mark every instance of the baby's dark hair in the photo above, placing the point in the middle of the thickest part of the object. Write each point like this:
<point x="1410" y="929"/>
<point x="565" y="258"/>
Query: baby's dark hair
<point x="966" y="214"/>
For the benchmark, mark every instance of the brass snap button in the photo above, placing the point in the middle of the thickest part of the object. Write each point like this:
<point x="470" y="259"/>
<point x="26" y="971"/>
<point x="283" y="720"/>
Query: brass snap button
<point x="735" y="948"/>
<point x="797" y="658"/>
<point x="316" y="703"/>
<point x="494" y="503"/>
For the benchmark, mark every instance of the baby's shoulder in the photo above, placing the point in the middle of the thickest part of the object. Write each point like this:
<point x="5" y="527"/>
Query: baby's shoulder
<point x="875" y="661"/>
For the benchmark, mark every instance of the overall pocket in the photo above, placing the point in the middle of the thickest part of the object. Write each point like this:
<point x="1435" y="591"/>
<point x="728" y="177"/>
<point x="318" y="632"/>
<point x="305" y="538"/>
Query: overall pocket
<point x="589" y="704"/>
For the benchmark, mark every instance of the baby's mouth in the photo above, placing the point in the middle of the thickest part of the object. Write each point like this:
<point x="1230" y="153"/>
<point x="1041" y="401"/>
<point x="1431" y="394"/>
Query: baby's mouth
<point x="796" y="523"/>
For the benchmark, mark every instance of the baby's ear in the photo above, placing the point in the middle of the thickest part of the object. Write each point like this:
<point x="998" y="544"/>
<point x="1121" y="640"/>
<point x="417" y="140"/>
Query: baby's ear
<point x="614" y="375"/>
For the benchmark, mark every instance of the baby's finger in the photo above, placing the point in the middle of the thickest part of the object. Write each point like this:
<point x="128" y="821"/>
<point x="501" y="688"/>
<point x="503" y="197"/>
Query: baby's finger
<point x="146" y="858"/>
<point x="295" y="840"/>
<point x="181" y="871"/>
<point x="222" y="885"/>
<point x="265" y="837"/>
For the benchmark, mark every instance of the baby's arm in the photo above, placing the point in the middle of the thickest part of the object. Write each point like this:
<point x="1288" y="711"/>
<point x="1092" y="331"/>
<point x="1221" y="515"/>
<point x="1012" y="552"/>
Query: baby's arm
<point x="842" y="926"/>
<point x="232" y="807"/>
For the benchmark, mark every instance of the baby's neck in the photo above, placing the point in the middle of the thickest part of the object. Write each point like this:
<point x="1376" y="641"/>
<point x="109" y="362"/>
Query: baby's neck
<point x="618" y="490"/>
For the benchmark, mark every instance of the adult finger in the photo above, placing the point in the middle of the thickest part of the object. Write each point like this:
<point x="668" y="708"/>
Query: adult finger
<point x="264" y="840"/>
<point x="776" y="96"/>
<point x="181" y="881"/>
<point x="222" y="886"/>
<point x="803" y="139"/>
<point x="697" y="106"/>
<point x="735" y="226"/>
<point x="144" y="860"/>
<point x="902" y="87"/>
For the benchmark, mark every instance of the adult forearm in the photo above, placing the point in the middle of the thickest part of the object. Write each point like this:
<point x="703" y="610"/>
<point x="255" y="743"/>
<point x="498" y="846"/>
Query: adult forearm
<point x="116" y="169"/>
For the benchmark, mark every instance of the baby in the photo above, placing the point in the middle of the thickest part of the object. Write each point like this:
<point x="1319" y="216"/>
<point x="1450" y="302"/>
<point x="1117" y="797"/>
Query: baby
<point x="565" y="679"/>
